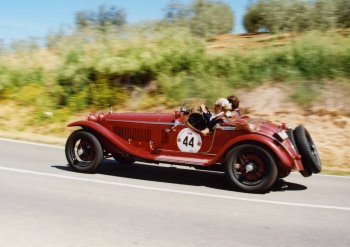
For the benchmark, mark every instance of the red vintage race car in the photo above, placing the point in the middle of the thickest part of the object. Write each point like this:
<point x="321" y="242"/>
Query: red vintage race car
<point x="252" y="152"/>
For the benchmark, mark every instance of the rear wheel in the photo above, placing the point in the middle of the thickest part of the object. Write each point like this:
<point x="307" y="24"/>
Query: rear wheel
<point x="83" y="151"/>
<point x="308" y="151"/>
<point x="251" y="168"/>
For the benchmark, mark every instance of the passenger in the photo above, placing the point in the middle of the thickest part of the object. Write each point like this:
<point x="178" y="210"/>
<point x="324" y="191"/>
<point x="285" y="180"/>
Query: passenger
<point x="222" y="110"/>
<point x="235" y="104"/>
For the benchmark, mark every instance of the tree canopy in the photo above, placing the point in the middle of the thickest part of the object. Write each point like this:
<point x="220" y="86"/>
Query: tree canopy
<point x="296" y="15"/>
<point x="203" y="17"/>
<point x="101" y="18"/>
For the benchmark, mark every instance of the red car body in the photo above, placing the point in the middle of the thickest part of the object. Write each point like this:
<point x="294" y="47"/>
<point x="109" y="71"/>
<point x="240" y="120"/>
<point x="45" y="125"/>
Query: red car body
<point x="168" y="138"/>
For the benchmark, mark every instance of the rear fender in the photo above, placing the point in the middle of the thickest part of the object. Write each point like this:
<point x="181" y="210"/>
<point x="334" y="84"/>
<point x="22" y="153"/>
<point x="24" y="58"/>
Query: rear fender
<point x="277" y="149"/>
<point x="116" y="140"/>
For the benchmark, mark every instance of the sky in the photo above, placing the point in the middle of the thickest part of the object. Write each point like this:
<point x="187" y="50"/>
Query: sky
<point x="21" y="19"/>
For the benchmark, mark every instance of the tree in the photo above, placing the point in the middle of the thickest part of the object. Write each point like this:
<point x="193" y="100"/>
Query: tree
<point x="101" y="19"/>
<point x="82" y="19"/>
<point x="279" y="16"/>
<point x="266" y="14"/>
<point x="274" y="12"/>
<point x="297" y="17"/>
<point x="176" y="11"/>
<point x="211" y="18"/>
<point x="203" y="17"/>
<point x="324" y="15"/>
<point x="254" y="20"/>
<point x="342" y="13"/>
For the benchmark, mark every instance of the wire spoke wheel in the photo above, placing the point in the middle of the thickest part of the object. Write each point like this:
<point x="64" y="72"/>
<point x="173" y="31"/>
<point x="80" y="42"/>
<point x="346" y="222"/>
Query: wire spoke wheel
<point x="251" y="168"/>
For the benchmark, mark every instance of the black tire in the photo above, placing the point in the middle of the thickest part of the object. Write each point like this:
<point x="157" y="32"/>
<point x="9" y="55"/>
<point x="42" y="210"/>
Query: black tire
<point x="123" y="159"/>
<point x="308" y="151"/>
<point x="262" y="173"/>
<point x="283" y="172"/>
<point x="83" y="151"/>
<point x="290" y="132"/>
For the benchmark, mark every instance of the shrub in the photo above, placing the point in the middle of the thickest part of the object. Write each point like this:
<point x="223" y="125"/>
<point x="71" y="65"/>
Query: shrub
<point x="171" y="65"/>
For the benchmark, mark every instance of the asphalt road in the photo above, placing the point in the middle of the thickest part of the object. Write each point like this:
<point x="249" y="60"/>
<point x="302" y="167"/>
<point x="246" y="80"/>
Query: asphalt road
<point x="44" y="203"/>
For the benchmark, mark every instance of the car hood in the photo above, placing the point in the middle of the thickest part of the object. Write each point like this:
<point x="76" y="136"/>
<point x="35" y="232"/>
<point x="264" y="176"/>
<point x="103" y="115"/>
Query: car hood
<point x="140" y="117"/>
<point x="257" y="125"/>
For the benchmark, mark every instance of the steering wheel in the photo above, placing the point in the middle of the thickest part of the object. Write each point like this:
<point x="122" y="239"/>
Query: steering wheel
<point x="196" y="121"/>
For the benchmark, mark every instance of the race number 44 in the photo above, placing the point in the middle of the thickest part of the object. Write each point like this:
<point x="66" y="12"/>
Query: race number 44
<point x="189" y="141"/>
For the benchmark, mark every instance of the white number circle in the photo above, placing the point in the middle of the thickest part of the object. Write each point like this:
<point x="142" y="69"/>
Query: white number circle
<point x="189" y="141"/>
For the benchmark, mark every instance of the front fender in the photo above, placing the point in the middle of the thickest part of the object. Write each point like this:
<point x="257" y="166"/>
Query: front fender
<point x="114" y="139"/>
<point x="281" y="153"/>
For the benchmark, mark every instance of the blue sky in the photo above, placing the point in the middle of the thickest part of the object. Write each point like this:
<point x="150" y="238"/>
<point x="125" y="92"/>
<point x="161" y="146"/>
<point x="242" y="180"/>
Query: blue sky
<point x="21" y="19"/>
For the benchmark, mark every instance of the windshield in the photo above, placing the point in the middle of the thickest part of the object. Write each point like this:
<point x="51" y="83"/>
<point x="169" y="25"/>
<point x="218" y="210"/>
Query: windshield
<point x="191" y="104"/>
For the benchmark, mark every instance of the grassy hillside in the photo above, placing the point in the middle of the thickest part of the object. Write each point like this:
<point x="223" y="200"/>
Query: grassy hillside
<point x="296" y="78"/>
<point x="142" y="69"/>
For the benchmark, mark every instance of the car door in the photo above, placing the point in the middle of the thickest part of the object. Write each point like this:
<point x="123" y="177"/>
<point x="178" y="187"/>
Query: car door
<point x="179" y="138"/>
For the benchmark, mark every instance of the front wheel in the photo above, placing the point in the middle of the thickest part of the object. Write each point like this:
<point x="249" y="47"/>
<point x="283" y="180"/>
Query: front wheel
<point x="83" y="151"/>
<point x="251" y="168"/>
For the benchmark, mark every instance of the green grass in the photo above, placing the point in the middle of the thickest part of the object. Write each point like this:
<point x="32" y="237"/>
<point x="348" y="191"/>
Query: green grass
<point x="94" y="70"/>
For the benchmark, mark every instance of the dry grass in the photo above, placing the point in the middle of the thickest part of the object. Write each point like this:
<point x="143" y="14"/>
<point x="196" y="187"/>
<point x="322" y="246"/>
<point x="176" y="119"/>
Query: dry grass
<point x="327" y="118"/>
<point x="246" y="41"/>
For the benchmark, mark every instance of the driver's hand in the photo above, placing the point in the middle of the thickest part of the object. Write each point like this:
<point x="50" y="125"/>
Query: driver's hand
<point x="203" y="108"/>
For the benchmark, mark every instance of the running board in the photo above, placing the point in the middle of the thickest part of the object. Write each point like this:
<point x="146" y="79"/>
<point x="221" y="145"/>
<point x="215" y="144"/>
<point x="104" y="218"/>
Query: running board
<point x="182" y="160"/>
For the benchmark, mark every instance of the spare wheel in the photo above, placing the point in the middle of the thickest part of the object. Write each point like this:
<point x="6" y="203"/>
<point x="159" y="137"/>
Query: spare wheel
<point x="307" y="149"/>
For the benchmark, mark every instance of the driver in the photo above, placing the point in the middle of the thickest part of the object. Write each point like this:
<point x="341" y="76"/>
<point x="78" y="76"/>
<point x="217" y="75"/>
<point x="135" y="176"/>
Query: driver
<point x="222" y="110"/>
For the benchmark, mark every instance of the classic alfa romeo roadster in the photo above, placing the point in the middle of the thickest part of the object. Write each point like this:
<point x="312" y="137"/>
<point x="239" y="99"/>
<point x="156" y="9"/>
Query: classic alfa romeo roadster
<point x="253" y="153"/>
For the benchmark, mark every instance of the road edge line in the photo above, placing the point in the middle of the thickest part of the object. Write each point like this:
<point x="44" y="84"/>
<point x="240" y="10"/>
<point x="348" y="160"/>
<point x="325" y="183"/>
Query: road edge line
<point x="175" y="191"/>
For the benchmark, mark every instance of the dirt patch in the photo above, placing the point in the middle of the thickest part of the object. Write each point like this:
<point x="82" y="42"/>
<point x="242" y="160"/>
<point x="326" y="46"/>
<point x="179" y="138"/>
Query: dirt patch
<point x="247" y="41"/>
<point x="327" y="119"/>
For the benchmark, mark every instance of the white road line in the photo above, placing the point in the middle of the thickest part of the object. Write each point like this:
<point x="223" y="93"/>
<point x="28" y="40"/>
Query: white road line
<point x="175" y="191"/>
<point x="60" y="147"/>
<point x="31" y="143"/>
<point x="296" y="173"/>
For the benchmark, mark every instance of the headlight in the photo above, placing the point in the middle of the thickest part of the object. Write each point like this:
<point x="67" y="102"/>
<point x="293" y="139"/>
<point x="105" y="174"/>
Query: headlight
<point x="91" y="117"/>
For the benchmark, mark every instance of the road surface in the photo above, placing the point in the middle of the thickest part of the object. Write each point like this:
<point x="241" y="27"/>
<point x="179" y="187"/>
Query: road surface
<point x="44" y="203"/>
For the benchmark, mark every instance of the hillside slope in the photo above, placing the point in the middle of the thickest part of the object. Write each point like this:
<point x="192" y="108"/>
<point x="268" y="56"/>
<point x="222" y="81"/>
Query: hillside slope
<point x="294" y="78"/>
<point x="328" y="119"/>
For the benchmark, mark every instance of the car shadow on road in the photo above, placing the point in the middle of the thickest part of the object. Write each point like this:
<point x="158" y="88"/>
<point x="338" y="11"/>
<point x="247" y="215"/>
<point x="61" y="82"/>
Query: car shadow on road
<point x="176" y="175"/>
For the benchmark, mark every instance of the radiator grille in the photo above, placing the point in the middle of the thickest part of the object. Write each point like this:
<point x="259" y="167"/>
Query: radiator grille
<point x="136" y="134"/>
<point x="165" y="137"/>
